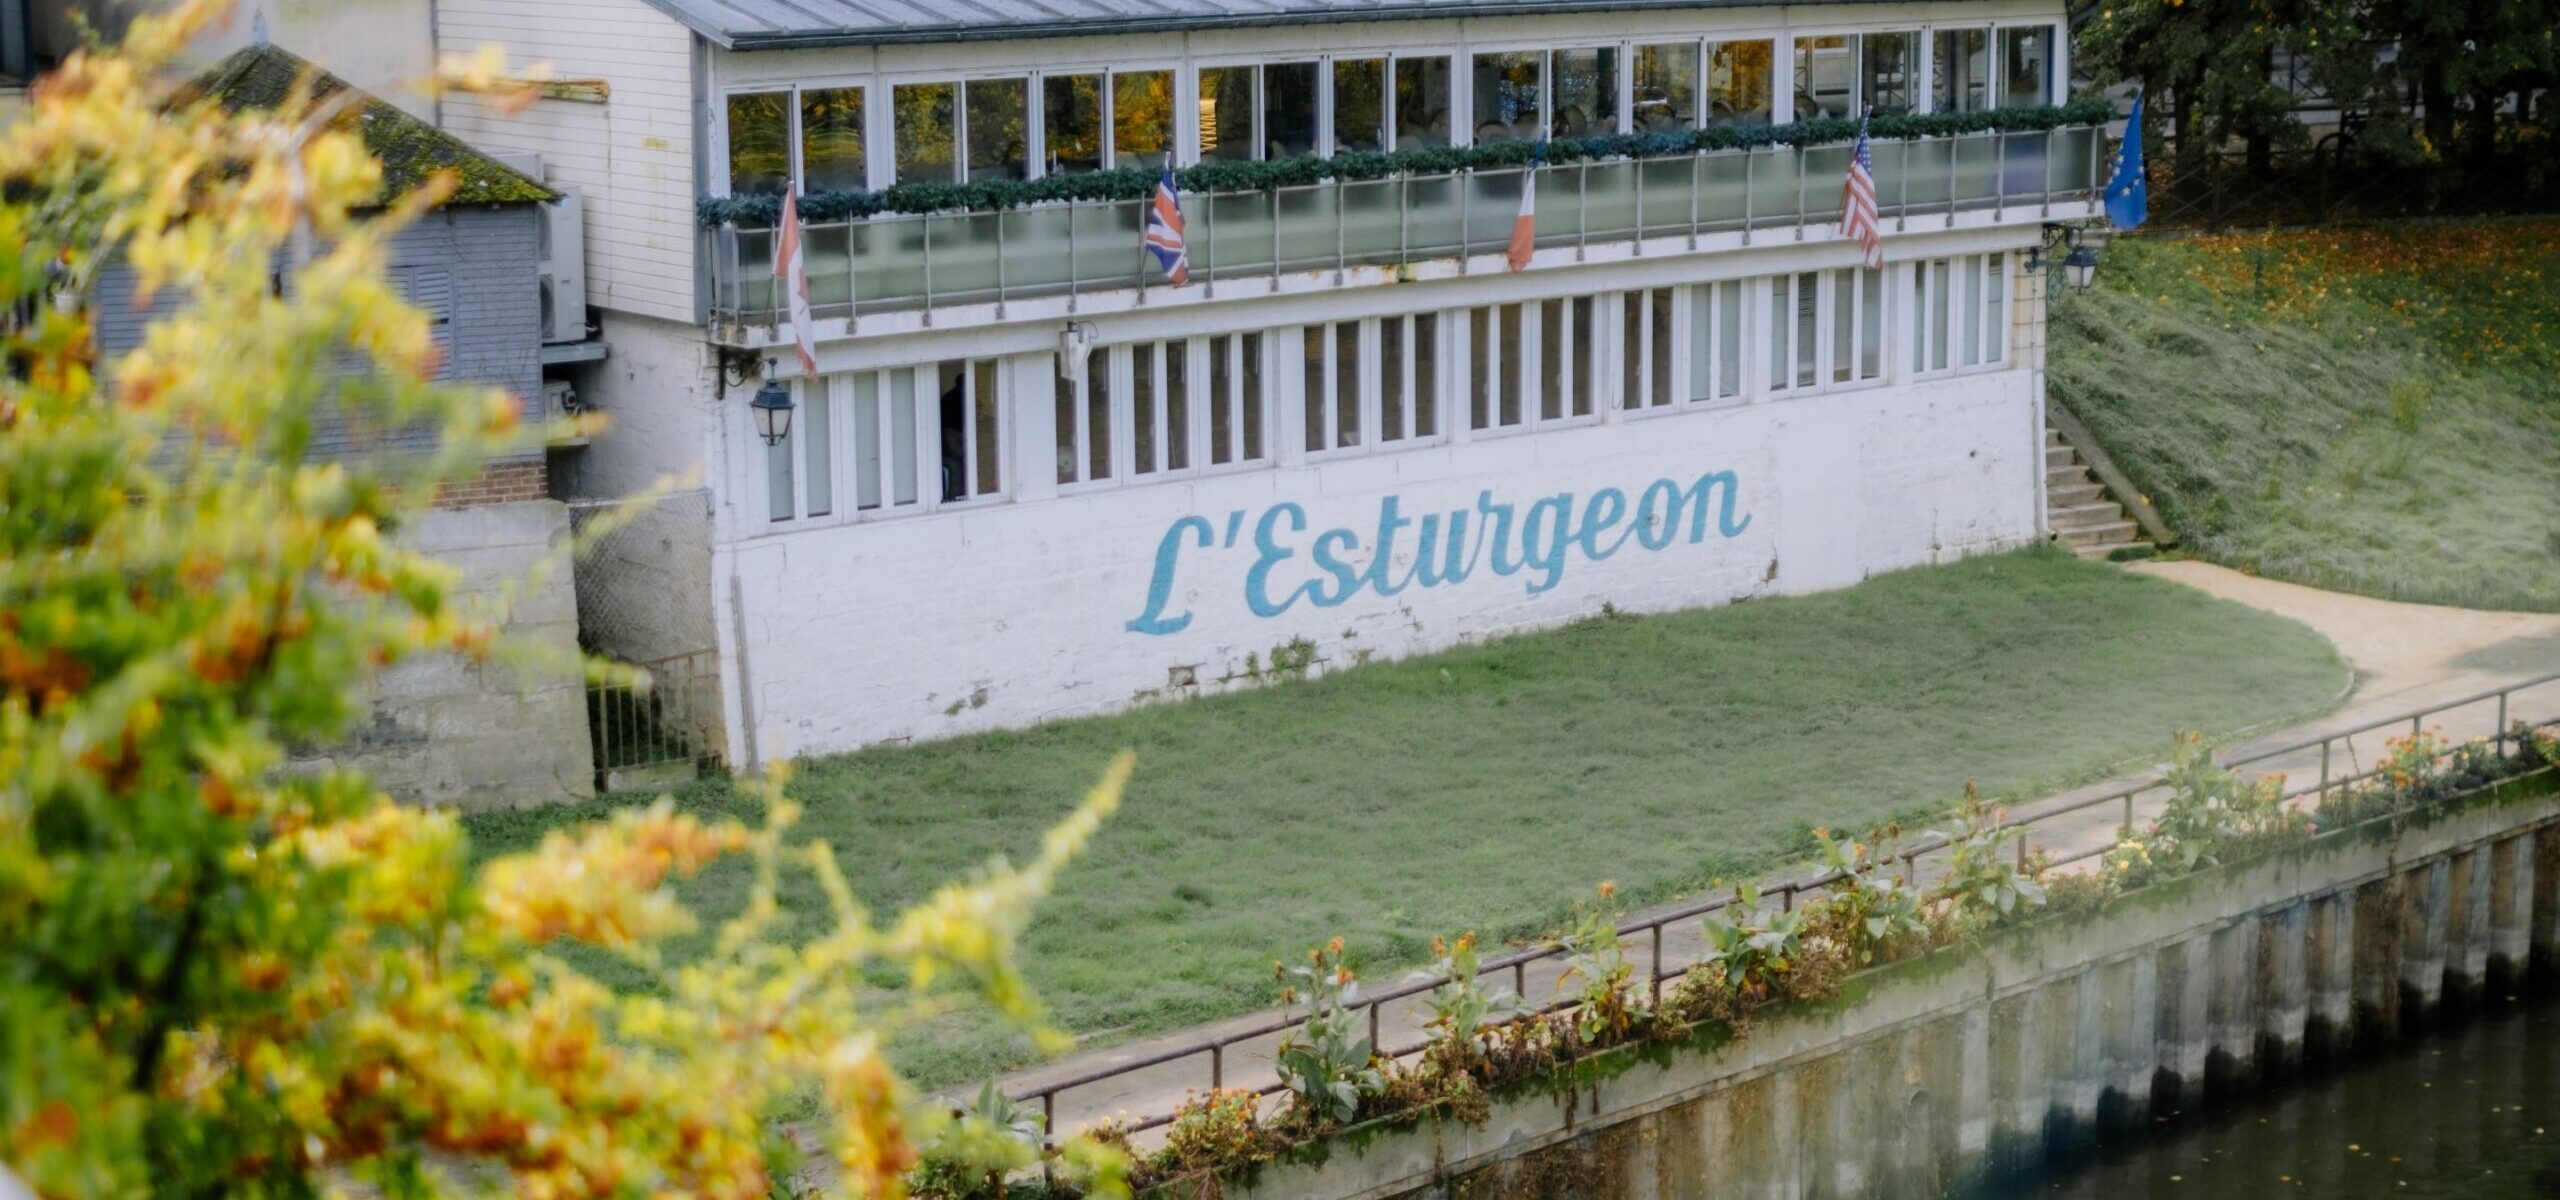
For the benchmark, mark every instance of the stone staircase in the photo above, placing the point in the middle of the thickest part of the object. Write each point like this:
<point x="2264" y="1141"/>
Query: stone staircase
<point x="2078" y="510"/>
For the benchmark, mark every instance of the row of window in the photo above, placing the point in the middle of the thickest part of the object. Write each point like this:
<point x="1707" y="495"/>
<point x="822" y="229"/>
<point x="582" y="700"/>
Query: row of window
<point x="1048" y="123"/>
<point x="912" y="439"/>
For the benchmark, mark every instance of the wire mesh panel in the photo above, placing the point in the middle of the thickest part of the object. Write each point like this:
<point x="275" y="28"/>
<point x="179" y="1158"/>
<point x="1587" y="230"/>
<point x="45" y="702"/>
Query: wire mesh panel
<point x="644" y="601"/>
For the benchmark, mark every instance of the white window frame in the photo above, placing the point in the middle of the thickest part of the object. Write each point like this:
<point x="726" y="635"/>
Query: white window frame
<point x="1116" y="365"/>
<point x="1826" y="332"/>
<point x="1482" y="374"/>
<point x="1991" y="268"/>
<point x="843" y="441"/>
<point x="1626" y="390"/>
<point x="1705" y="315"/>
<point x="871" y="126"/>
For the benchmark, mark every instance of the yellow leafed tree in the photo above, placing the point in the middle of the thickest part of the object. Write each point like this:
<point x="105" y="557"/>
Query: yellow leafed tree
<point x="220" y="977"/>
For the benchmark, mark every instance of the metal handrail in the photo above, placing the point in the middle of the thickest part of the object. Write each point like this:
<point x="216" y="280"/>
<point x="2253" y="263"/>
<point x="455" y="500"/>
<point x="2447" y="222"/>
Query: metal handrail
<point x="743" y="293"/>
<point x="1517" y="962"/>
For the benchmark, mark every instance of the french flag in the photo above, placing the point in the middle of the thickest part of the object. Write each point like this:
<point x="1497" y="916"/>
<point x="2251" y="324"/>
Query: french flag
<point x="1524" y="227"/>
<point x="1164" y="231"/>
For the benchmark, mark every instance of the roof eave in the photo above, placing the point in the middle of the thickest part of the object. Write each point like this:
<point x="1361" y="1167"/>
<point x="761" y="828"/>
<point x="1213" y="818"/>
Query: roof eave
<point x="910" y="34"/>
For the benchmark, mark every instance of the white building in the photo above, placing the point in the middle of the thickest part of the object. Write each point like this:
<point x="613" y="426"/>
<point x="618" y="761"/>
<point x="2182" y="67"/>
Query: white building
<point x="1031" y="480"/>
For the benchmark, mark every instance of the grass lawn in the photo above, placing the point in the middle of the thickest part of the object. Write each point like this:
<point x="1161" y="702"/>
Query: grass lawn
<point x="2372" y="411"/>
<point x="1487" y="787"/>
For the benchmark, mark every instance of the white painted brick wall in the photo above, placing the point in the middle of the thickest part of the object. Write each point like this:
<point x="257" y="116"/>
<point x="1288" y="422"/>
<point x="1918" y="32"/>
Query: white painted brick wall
<point x="1019" y="613"/>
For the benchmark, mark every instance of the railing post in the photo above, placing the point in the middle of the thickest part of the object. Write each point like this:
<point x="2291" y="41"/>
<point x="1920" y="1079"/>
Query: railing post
<point x="1999" y="177"/>
<point x="2324" y="770"/>
<point x="2128" y="814"/>
<point x="1048" y="1129"/>
<point x="1902" y="189"/>
<point x="1656" y="970"/>
<point x="1274" y="194"/>
<point x="1635" y="166"/>
<point x="1696" y="168"/>
<point x="1581" y="205"/>
<point x="924" y="225"/>
<point x="1217" y="1065"/>
<point x="1373" y="1026"/>
<point x="1750" y="159"/>
<point x="1404" y="219"/>
<point x="1466" y="182"/>
<point x="1800" y="160"/>
<point x="1071" y="257"/>
<point x="1341" y="247"/>
<point x="852" y="280"/>
<point x="1000" y="216"/>
<point x="2501" y="726"/>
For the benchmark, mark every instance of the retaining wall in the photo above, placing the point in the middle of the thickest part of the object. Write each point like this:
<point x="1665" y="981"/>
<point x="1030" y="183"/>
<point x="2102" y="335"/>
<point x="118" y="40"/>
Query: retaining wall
<point x="1928" y="1077"/>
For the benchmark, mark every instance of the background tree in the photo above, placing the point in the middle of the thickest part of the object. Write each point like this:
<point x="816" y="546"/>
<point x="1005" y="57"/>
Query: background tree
<point x="219" y="976"/>
<point x="2208" y="64"/>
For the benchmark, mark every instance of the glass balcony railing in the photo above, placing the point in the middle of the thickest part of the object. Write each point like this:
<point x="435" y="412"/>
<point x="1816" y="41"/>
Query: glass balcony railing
<point x="895" y="263"/>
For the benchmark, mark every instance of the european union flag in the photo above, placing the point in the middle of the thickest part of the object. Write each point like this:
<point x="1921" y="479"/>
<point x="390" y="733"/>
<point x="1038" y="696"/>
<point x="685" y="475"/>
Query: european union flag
<point x="2128" y="194"/>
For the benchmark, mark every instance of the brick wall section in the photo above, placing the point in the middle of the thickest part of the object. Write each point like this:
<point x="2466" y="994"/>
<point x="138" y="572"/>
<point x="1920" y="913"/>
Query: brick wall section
<point x="500" y="483"/>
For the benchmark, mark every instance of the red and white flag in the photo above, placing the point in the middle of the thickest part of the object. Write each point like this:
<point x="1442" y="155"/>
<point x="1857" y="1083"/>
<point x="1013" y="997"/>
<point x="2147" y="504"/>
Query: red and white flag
<point x="1858" y="217"/>
<point x="791" y="266"/>
<point x="1524" y="227"/>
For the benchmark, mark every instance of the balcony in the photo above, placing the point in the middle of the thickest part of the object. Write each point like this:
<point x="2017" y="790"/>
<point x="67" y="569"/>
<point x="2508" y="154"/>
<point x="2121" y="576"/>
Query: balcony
<point x="924" y="263"/>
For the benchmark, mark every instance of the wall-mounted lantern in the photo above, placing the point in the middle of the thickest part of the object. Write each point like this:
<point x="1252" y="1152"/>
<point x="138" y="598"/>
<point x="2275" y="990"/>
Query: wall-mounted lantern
<point x="2068" y="257"/>
<point x="772" y="407"/>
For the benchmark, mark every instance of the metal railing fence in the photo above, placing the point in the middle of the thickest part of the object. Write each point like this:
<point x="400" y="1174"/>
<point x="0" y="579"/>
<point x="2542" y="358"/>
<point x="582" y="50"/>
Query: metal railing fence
<point x="927" y="261"/>
<point x="1213" y="1050"/>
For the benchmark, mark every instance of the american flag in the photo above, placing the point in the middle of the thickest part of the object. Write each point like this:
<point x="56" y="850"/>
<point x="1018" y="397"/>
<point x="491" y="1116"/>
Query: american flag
<point x="1858" y="217"/>
<point x="790" y="265"/>
<point x="1164" y="230"/>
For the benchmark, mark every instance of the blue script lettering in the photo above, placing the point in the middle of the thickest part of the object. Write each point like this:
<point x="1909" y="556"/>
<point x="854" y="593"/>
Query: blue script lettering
<point x="1539" y="542"/>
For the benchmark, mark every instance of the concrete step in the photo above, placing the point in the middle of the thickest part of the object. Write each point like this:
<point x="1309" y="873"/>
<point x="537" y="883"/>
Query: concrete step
<point x="2106" y="550"/>
<point x="2098" y="534"/>
<point x="2059" y="495"/>
<point x="2059" y="456"/>
<point x="2082" y="516"/>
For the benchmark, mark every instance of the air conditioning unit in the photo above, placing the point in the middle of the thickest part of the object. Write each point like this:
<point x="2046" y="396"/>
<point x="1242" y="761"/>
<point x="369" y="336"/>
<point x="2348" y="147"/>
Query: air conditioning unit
<point x="562" y="250"/>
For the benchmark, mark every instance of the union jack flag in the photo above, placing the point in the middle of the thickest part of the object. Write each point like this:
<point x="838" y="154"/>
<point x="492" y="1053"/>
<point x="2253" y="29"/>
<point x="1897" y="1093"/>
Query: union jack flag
<point x="1164" y="230"/>
<point x="1858" y="217"/>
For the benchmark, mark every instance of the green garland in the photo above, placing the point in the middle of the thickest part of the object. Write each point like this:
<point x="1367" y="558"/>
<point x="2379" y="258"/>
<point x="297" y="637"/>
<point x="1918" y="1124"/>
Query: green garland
<point x="1135" y="183"/>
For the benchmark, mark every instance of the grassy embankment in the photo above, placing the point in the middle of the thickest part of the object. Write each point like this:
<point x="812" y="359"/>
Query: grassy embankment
<point x="1486" y="787"/>
<point x="2374" y="411"/>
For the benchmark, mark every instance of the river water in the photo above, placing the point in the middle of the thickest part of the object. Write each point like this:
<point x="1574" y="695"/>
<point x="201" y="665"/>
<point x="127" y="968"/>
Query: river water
<point x="2472" y="1112"/>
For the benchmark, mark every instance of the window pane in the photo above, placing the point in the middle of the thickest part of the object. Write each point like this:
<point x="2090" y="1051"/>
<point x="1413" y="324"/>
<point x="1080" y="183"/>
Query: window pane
<point x="1507" y="97"/>
<point x="1586" y="92"/>
<point x="1666" y="88"/>
<point x="1870" y="323"/>
<point x="1221" y="418"/>
<point x="1288" y="109"/>
<point x="1359" y="105"/>
<point x="1938" y="312"/>
<point x="1555" y="380"/>
<point x="777" y="478"/>
<point x="1070" y="454"/>
<point x="1249" y="374"/>
<point x="866" y="440"/>
<point x="1480" y="341"/>
<point x="1422" y="102"/>
<point x="1822" y="81"/>
<point x="1511" y="379"/>
<point x="1586" y="345"/>
<point x="1097" y="417"/>
<point x="2025" y="58"/>
<point x="928" y="133"/>
<point x="1426" y="375"/>
<point x="813" y="432"/>
<point x="1071" y="120"/>
<point x="1141" y="117"/>
<point x="999" y="129"/>
<point x="1658" y="307"/>
<point x="1995" y="284"/>
<point x="1319" y="343"/>
<point x="1844" y="302"/>
<point x="1142" y="398"/>
<point x="1963" y="82"/>
<point x="1729" y="339"/>
<point x="952" y="380"/>
<point x="1781" y="321"/>
<point x="902" y="436"/>
<point x="1346" y="383"/>
<point x="1391" y="367"/>
<point x="1177" y="405"/>
<point x="1738" y="82"/>
<point x="1808" y="314"/>
<point x="831" y="158"/>
<point x="1889" y="72"/>
<point x="1226" y="114"/>
<point x="1970" y="268"/>
<point x="1702" y="342"/>
<point x="1631" y="346"/>
<point x="759" y="143"/>
<point x="990" y="447"/>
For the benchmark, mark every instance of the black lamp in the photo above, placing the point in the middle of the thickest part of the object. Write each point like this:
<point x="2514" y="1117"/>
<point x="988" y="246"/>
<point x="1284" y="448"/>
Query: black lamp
<point x="772" y="407"/>
<point x="2075" y="269"/>
<point x="2080" y="267"/>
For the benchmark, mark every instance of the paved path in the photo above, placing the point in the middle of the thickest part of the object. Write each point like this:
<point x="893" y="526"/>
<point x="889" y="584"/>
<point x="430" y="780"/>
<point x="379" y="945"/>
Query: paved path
<point x="2405" y="656"/>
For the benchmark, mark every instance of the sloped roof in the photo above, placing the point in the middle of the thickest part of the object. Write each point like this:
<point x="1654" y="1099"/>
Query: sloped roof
<point x="773" y="24"/>
<point x="410" y="149"/>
